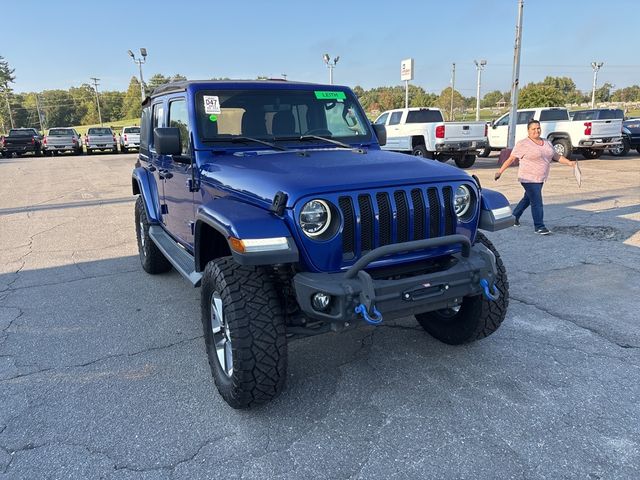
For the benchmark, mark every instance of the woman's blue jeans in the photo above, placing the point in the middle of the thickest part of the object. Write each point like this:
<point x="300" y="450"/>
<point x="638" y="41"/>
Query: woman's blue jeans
<point x="533" y="197"/>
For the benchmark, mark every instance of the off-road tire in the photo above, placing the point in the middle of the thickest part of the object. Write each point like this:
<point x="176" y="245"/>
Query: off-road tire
<point x="485" y="152"/>
<point x="465" y="161"/>
<point x="477" y="317"/>
<point x="590" y="153"/>
<point x="421" y="151"/>
<point x="152" y="259"/>
<point x="256" y="329"/>
<point x="565" y="147"/>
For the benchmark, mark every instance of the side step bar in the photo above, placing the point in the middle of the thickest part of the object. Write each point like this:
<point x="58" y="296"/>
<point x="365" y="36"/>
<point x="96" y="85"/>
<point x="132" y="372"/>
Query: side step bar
<point x="181" y="260"/>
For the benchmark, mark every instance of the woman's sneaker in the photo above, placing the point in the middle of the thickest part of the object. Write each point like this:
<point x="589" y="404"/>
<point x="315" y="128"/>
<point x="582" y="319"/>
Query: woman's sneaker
<point x="516" y="223"/>
<point x="543" y="231"/>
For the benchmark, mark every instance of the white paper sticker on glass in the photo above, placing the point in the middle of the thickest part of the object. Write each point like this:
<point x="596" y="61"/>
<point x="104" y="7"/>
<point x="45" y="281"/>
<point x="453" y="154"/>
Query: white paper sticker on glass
<point x="211" y="104"/>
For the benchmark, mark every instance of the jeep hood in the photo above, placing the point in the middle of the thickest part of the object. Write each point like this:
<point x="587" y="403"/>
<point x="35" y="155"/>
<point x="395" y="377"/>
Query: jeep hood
<point x="299" y="173"/>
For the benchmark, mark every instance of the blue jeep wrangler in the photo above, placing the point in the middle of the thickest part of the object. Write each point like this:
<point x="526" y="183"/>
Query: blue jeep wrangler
<point x="275" y="198"/>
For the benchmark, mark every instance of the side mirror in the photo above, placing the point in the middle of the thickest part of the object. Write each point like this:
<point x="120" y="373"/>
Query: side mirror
<point x="167" y="141"/>
<point x="381" y="133"/>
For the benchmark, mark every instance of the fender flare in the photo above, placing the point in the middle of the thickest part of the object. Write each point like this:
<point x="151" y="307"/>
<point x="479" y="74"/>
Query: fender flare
<point x="231" y="218"/>
<point x="144" y="184"/>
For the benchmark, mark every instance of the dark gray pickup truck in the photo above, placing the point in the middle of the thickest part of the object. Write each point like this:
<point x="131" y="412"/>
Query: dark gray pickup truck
<point x="20" y="141"/>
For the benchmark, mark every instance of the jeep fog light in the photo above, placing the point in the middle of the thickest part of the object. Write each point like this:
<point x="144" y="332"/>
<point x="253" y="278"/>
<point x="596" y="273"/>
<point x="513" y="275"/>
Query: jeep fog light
<point x="320" y="301"/>
<point x="315" y="218"/>
<point x="462" y="200"/>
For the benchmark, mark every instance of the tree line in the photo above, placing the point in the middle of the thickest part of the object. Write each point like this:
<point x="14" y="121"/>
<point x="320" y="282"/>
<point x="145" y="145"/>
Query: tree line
<point x="77" y="105"/>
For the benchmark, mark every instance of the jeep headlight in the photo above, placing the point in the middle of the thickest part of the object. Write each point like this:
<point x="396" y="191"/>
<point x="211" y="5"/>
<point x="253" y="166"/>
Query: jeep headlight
<point x="462" y="201"/>
<point x="315" y="218"/>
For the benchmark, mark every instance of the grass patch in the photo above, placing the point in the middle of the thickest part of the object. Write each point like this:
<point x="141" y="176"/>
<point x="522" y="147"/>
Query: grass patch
<point x="115" y="126"/>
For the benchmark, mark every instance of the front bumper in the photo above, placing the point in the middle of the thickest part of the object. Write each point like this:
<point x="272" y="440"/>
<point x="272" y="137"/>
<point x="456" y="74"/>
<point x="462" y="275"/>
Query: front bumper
<point x="402" y="296"/>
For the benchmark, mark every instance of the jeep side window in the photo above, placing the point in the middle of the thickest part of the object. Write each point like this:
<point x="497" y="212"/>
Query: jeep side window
<point x="145" y="131"/>
<point x="395" y="118"/>
<point x="178" y="118"/>
<point x="158" y="114"/>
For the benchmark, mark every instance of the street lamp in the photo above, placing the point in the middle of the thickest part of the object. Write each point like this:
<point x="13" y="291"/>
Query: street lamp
<point x="596" y="66"/>
<point x="330" y="66"/>
<point x="140" y="61"/>
<point x="479" y="66"/>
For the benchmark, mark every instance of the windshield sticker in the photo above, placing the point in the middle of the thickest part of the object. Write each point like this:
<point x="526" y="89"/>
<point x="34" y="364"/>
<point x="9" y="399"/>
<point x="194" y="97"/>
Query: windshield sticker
<point x="213" y="118"/>
<point x="330" y="95"/>
<point x="211" y="104"/>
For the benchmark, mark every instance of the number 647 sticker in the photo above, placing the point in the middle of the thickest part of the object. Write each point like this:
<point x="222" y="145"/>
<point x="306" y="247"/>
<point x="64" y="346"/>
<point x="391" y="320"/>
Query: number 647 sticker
<point x="211" y="104"/>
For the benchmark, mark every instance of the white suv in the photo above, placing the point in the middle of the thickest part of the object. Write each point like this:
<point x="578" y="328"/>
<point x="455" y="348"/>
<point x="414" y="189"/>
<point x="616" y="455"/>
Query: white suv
<point x="129" y="138"/>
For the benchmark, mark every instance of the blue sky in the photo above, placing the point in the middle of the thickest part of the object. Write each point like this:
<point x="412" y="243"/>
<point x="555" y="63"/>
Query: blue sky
<point x="64" y="43"/>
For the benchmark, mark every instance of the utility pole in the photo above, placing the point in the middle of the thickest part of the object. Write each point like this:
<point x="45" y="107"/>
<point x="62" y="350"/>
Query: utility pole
<point x="479" y="66"/>
<point x="95" y="84"/>
<point x="596" y="66"/>
<point x="453" y="88"/>
<point x="39" y="114"/>
<point x="6" y="97"/>
<point x="515" y="82"/>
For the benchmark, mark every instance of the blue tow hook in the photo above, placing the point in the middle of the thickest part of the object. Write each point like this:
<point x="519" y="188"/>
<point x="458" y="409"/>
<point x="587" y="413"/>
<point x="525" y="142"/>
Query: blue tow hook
<point x="377" y="316"/>
<point x="489" y="295"/>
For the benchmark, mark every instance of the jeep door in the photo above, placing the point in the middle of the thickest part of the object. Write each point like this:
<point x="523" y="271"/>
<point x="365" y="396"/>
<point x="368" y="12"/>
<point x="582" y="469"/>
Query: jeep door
<point x="178" y="199"/>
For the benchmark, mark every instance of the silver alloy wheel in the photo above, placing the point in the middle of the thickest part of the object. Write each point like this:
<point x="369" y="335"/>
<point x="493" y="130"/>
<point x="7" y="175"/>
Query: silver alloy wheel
<point x="559" y="148"/>
<point x="221" y="335"/>
<point x="617" y="150"/>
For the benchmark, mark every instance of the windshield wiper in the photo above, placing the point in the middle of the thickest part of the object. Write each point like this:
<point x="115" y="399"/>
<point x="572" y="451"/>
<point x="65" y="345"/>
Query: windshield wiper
<point x="256" y="140"/>
<point x="331" y="140"/>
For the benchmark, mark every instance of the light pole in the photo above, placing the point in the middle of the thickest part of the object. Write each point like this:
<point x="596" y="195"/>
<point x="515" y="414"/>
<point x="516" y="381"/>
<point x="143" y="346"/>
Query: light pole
<point x="330" y="65"/>
<point x="140" y="61"/>
<point x="95" y="84"/>
<point x="596" y="66"/>
<point x="479" y="66"/>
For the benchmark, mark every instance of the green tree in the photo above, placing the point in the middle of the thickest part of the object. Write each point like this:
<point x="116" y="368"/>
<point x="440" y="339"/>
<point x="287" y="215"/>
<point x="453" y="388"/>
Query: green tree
<point x="444" y="102"/>
<point x="603" y="94"/>
<point x="6" y="77"/>
<point x="491" y="99"/>
<point x="627" y="94"/>
<point x="155" y="81"/>
<point x="178" y="78"/>
<point x="111" y="105"/>
<point x="58" y="107"/>
<point x="132" y="102"/>
<point x="540" y="95"/>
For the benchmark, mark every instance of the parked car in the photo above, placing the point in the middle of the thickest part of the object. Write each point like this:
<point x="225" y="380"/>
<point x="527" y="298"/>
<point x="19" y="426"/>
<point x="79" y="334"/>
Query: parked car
<point x="60" y="140"/>
<point x="130" y="138"/>
<point x="101" y="138"/>
<point x="276" y="199"/>
<point x="630" y="138"/>
<point x="424" y="133"/>
<point x="590" y="138"/>
<point x="20" y="141"/>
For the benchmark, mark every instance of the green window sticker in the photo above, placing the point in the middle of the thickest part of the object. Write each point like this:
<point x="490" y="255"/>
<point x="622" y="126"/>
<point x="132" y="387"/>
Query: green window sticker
<point x="330" y="95"/>
<point x="213" y="118"/>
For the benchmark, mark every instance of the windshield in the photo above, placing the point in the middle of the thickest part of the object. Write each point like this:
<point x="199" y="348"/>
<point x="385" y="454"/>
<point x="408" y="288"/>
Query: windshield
<point x="132" y="130"/>
<point x="280" y="115"/>
<point x="60" y="131"/>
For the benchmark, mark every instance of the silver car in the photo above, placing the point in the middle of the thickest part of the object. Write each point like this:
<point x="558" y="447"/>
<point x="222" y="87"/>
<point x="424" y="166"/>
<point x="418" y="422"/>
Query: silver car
<point x="101" y="138"/>
<point x="60" y="140"/>
<point x="129" y="138"/>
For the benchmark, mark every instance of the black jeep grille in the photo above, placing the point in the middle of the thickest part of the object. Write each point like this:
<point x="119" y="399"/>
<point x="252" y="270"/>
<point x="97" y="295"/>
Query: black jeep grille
<point x="398" y="216"/>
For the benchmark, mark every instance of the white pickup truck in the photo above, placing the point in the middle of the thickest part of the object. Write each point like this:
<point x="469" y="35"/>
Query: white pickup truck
<point x="424" y="133"/>
<point x="590" y="138"/>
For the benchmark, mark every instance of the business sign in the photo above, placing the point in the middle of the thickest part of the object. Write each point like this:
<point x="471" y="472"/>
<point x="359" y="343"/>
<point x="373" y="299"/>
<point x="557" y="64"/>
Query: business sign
<point x="406" y="69"/>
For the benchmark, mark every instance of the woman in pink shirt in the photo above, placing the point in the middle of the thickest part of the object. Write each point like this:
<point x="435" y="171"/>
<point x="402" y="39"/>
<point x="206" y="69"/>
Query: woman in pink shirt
<point x="535" y="155"/>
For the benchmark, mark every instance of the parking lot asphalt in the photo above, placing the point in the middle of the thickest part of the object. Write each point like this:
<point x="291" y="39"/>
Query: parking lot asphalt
<point x="103" y="372"/>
